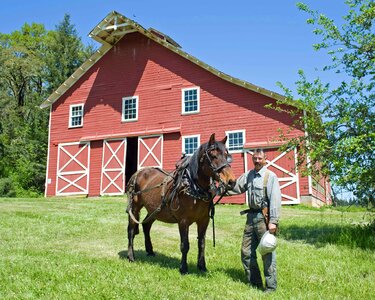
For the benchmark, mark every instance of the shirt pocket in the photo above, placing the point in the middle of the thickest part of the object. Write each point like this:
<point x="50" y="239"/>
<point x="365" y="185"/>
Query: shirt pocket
<point x="258" y="192"/>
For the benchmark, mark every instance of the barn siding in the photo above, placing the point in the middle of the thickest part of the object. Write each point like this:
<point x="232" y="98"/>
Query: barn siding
<point x="96" y="155"/>
<point x="138" y="66"/>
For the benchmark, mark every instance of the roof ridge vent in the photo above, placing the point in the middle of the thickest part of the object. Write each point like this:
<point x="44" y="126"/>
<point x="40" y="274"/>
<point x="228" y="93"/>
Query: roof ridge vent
<point x="164" y="37"/>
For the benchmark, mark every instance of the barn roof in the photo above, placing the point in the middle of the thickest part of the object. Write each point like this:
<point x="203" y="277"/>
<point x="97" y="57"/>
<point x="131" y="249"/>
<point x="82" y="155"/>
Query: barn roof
<point x="114" y="27"/>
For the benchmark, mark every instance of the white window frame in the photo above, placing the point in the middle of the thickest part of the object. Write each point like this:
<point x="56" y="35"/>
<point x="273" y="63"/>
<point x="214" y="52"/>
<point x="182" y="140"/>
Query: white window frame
<point x="243" y="131"/>
<point x="198" y="136"/>
<point x="183" y="112"/>
<point x="71" y="116"/>
<point x="123" y="109"/>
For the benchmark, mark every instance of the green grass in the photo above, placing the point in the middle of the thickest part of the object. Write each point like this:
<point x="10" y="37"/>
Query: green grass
<point x="76" y="249"/>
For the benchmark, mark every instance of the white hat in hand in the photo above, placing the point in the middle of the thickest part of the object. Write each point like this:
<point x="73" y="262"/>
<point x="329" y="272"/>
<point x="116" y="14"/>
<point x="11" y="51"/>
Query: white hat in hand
<point x="267" y="243"/>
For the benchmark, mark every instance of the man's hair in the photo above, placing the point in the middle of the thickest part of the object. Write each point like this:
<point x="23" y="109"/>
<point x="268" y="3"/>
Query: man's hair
<point x="260" y="151"/>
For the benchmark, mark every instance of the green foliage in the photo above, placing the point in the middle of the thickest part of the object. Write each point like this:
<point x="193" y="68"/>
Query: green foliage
<point x="33" y="62"/>
<point x="7" y="188"/>
<point x="339" y="121"/>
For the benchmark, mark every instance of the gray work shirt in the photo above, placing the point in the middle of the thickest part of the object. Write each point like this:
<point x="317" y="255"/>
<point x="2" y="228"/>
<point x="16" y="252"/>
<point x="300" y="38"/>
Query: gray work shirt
<point x="252" y="183"/>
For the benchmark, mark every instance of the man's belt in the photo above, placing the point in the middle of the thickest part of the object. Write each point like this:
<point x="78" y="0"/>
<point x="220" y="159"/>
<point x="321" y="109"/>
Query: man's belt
<point x="250" y="210"/>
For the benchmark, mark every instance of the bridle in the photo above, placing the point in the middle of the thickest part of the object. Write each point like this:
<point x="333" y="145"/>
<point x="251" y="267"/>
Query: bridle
<point x="214" y="169"/>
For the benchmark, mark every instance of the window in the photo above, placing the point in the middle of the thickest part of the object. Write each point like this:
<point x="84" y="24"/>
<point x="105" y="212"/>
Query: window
<point x="190" y="101"/>
<point x="236" y="140"/>
<point x="190" y="144"/>
<point x="130" y="109"/>
<point x="76" y="115"/>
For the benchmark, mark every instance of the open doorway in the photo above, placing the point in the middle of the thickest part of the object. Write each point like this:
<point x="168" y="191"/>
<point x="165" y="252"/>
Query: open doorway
<point x="131" y="157"/>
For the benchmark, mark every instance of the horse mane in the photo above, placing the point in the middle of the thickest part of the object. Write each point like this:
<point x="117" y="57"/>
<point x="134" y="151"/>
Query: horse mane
<point x="193" y="166"/>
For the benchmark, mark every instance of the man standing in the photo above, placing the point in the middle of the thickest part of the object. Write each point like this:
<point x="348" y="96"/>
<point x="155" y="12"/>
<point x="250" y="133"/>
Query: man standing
<point x="263" y="191"/>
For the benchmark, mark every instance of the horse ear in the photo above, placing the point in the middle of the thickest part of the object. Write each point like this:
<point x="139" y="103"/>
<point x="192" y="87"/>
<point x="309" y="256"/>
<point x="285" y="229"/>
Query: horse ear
<point x="212" y="139"/>
<point x="224" y="139"/>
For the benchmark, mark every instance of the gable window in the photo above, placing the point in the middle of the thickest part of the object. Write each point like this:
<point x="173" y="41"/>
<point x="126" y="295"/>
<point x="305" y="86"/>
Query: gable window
<point x="190" y="144"/>
<point x="130" y="109"/>
<point x="190" y="100"/>
<point x="236" y="140"/>
<point x="76" y="115"/>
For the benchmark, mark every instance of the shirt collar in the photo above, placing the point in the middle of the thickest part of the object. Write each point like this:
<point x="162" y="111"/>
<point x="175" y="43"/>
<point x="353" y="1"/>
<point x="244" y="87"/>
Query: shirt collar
<point x="261" y="171"/>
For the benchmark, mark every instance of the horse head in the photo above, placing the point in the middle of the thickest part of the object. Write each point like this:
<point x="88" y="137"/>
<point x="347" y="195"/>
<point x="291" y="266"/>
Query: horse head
<point x="216" y="160"/>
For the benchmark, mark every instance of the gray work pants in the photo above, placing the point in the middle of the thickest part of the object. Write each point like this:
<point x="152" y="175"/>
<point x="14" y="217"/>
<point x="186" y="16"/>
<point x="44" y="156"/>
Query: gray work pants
<point x="254" y="229"/>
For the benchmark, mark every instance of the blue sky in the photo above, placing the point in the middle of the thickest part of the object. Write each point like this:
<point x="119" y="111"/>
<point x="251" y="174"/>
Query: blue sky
<point x="258" y="41"/>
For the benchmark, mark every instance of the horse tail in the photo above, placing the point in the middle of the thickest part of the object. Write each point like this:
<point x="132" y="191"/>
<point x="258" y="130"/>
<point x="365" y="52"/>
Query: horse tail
<point x="131" y="190"/>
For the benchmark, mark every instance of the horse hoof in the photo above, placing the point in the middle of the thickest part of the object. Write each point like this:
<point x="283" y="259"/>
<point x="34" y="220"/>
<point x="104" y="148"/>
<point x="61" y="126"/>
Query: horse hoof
<point x="184" y="271"/>
<point x="150" y="253"/>
<point x="131" y="259"/>
<point x="202" y="269"/>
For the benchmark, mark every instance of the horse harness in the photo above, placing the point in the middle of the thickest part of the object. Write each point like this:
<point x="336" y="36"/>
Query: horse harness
<point x="182" y="182"/>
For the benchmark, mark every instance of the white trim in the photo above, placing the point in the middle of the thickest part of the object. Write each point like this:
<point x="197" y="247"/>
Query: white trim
<point x="121" y="170"/>
<point x="48" y="152"/>
<point x="183" y="112"/>
<point x="70" y="115"/>
<point x="84" y="172"/>
<point x="184" y="137"/>
<point x="246" y="168"/>
<point x="243" y="137"/>
<point x="150" y="151"/>
<point x="136" y="108"/>
<point x="308" y="162"/>
<point x="297" y="173"/>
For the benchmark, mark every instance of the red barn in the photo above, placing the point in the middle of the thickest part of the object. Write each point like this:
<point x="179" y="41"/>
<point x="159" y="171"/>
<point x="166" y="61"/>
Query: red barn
<point x="140" y="100"/>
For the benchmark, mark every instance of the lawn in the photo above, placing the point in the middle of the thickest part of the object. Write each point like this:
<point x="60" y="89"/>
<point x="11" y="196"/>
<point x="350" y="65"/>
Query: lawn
<point x="75" y="248"/>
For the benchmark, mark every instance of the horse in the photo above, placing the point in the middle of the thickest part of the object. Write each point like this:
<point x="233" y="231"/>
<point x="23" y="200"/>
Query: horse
<point x="184" y="196"/>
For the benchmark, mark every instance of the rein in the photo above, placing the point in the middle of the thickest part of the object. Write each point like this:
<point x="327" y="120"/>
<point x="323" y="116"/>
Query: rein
<point x="163" y="202"/>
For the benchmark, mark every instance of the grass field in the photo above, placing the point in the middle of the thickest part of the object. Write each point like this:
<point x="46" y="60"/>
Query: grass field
<point x="76" y="249"/>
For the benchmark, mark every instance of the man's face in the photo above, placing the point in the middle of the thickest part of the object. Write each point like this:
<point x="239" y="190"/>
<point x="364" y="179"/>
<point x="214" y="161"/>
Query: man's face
<point x="259" y="160"/>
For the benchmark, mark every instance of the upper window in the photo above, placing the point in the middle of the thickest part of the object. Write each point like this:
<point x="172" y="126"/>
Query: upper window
<point x="190" y="144"/>
<point x="76" y="115"/>
<point x="130" y="109"/>
<point x="190" y="101"/>
<point x="236" y="140"/>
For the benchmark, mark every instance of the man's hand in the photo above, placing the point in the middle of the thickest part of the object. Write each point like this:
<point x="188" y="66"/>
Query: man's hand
<point x="272" y="228"/>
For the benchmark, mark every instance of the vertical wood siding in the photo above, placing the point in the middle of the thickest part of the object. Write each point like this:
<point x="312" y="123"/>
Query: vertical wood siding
<point x="137" y="66"/>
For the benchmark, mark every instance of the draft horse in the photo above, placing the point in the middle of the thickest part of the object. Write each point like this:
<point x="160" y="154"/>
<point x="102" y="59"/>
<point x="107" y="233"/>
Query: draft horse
<point x="184" y="196"/>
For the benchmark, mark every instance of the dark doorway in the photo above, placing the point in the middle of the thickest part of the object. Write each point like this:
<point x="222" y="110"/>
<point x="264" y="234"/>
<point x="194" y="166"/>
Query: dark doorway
<point x="131" y="157"/>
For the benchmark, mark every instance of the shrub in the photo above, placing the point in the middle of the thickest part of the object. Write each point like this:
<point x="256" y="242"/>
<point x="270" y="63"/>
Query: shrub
<point x="7" y="188"/>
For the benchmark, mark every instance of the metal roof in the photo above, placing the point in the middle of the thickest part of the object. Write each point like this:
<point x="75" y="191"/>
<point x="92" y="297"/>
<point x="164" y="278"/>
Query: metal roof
<point x="114" y="27"/>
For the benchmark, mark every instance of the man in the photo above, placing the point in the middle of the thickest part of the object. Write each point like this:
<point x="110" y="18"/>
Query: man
<point x="263" y="191"/>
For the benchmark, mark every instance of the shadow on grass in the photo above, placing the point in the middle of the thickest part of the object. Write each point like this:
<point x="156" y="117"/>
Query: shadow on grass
<point x="237" y="275"/>
<point x="161" y="260"/>
<point x="353" y="236"/>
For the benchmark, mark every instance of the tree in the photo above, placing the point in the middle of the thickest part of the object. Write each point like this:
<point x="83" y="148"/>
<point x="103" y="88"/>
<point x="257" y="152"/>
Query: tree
<point x="339" y="120"/>
<point x="33" y="63"/>
<point x="65" y="53"/>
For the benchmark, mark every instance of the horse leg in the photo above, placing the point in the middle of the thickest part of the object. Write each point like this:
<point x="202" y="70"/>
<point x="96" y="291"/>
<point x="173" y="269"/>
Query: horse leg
<point x="202" y="228"/>
<point x="184" y="245"/>
<point x="133" y="229"/>
<point x="146" y="231"/>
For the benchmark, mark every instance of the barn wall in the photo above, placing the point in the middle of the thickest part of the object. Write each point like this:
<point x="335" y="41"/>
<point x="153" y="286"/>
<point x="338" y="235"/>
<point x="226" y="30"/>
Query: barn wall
<point x="96" y="154"/>
<point x="141" y="67"/>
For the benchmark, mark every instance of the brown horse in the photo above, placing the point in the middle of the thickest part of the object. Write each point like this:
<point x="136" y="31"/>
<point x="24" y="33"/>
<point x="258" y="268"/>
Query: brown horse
<point x="184" y="197"/>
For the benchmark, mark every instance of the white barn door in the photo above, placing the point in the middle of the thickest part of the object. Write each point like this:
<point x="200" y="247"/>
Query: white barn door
<point x="150" y="151"/>
<point x="284" y="166"/>
<point x="72" y="176"/>
<point x="113" y="167"/>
